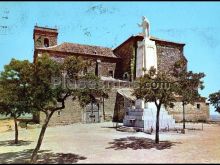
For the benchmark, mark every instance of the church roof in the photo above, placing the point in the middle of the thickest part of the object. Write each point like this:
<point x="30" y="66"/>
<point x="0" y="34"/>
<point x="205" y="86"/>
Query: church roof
<point x="159" y="39"/>
<point x="162" y="40"/>
<point x="82" y="49"/>
<point x="140" y="37"/>
<point x="127" y="93"/>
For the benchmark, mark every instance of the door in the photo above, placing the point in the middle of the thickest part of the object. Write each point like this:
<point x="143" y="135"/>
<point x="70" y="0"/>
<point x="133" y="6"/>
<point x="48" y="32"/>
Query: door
<point x="92" y="113"/>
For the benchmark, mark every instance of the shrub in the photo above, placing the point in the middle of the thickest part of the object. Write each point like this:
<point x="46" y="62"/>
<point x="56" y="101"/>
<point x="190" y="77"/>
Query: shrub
<point x="22" y="124"/>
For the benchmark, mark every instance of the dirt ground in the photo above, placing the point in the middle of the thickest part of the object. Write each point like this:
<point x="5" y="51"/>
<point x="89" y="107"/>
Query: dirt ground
<point x="101" y="143"/>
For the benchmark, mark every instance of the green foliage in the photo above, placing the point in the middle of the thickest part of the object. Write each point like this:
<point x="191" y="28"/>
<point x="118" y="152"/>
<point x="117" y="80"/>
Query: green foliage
<point x="214" y="99"/>
<point x="181" y="64"/>
<point x="188" y="84"/>
<point x="92" y="89"/>
<point x="27" y="87"/>
<point x="44" y="94"/>
<point x="162" y="90"/>
<point x="22" y="124"/>
<point x="73" y="66"/>
<point x="157" y="87"/>
<point x="132" y="65"/>
<point x="15" y="88"/>
<point x="47" y="97"/>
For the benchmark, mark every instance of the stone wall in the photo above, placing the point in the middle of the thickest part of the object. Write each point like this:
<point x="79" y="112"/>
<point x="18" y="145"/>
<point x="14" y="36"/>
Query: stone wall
<point x="40" y="36"/>
<point x="110" y="105"/>
<point x="126" y="54"/>
<point x="105" y="67"/>
<point x="192" y="112"/>
<point x="71" y="114"/>
<point x="119" y="110"/>
<point x="167" y="55"/>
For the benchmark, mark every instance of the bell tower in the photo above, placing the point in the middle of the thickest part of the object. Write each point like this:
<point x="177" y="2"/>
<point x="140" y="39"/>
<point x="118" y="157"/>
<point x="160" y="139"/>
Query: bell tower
<point x="44" y="37"/>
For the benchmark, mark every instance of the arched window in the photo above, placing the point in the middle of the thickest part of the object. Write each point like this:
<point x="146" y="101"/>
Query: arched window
<point x="46" y="42"/>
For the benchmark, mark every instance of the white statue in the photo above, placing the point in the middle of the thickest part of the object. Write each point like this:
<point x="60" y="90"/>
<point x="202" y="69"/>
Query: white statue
<point x="146" y="26"/>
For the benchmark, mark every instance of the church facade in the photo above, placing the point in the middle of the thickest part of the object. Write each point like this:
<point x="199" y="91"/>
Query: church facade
<point x="121" y="64"/>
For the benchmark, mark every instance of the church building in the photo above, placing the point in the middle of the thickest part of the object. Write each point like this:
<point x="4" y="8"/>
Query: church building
<point x="122" y="64"/>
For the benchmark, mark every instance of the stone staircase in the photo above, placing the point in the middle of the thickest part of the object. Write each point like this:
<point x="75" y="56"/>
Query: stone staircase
<point x="145" y="119"/>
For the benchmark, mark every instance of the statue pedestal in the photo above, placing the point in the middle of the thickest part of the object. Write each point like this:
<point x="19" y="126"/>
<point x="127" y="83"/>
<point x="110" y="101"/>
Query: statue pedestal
<point x="146" y="56"/>
<point x="139" y="104"/>
<point x="144" y="114"/>
<point x="145" y="118"/>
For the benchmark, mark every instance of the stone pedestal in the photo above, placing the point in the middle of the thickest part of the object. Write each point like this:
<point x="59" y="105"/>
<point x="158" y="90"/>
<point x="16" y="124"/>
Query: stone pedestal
<point x="146" y="56"/>
<point x="144" y="114"/>
<point x="145" y="118"/>
<point x="139" y="104"/>
<point x="149" y="116"/>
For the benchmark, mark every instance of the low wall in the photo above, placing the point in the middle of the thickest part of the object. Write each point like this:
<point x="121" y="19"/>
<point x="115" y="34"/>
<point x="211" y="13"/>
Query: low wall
<point x="192" y="112"/>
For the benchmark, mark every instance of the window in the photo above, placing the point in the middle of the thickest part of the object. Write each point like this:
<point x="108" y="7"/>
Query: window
<point x="110" y="73"/>
<point x="198" y="106"/>
<point x="58" y="112"/>
<point x="46" y="42"/>
<point x="126" y="76"/>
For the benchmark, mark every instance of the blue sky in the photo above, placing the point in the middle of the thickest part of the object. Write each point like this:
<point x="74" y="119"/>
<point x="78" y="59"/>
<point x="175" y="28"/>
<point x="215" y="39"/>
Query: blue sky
<point x="197" y="24"/>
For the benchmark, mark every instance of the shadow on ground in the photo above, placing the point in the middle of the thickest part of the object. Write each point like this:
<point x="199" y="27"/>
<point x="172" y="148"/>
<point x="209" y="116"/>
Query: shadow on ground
<point x="44" y="157"/>
<point x="136" y="143"/>
<point x="12" y="143"/>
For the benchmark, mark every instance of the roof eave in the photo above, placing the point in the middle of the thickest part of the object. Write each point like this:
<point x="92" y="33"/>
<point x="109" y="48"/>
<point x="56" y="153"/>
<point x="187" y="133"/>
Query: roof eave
<point x="128" y="40"/>
<point x="72" y="53"/>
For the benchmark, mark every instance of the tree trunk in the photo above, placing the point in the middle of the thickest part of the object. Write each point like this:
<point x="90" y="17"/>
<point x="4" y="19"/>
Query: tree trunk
<point x="184" y="119"/>
<point x="157" y="126"/>
<point x="103" y="108"/>
<point x="40" y="139"/>
<point x="16" y="130"/>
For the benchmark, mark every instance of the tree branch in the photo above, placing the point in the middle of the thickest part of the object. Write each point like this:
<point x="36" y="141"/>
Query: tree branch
<point x="62" y="100"/>
<point x="155" y="101"/>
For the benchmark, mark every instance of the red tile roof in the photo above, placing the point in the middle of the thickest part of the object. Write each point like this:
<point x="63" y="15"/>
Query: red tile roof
<point x="140" y="37"/>
<point x="82" y="49"/>
<point x="159" y="39"/>
<point x="162" y="40"/>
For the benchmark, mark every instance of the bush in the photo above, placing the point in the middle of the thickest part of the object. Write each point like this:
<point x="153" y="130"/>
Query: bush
<point x="23" y="124"/>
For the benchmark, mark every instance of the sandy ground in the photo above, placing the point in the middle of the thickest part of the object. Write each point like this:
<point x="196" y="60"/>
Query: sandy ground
<point x="6" y="124"/>
<point x="100" y="143"/>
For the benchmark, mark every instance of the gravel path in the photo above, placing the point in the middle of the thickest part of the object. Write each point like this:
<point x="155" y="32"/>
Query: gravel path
<point x="100" y="143"/>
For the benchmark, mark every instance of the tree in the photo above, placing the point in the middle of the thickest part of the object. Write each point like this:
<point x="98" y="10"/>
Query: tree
<point x="47" y="97"/>
<point x="92" y="89"/>
<point x="188" y="85"/>
<point x="14" y="90"/>
<point x="157" y="88"/>
<point x="104" y="96"/>
<point x="214" y="99"/>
